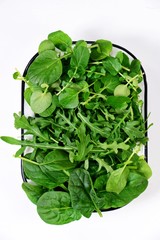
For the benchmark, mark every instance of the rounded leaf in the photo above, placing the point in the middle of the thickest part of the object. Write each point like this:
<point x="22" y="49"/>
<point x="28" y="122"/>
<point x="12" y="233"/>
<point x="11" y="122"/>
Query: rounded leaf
<point x="40" y="101"/>
<point x="46" y="68"/>
<point x="55" y="208"/>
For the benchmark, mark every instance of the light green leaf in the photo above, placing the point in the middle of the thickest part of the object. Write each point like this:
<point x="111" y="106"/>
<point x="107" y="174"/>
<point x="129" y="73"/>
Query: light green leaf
<point x="117" y="180"/>
<point x="40" y="101"/>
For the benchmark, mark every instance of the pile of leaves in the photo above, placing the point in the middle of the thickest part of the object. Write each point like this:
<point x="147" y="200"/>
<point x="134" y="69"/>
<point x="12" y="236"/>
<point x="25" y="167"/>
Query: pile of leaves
<point x="81" y="150"/>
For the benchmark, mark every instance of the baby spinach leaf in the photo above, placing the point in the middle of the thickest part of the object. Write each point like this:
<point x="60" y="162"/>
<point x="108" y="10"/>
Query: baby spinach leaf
<point x="57" y="160"/>
<point x="40" y="101"/>
<point x="33" y="192"/>
<point x="112" y="65"/>
<point x="54" y="207"/>
<point x="46" y="68"/>
<point x="117" y="180"/>
<point x="83" y="195"/>
<point x="136" y="184"/>
<point x="101" y="50"/>
<point x="61" y="40"/>
<point x="34" y="173"/>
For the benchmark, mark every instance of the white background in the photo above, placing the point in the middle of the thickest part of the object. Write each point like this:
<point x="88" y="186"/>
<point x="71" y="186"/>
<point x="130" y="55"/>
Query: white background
<point x="133" y="24"/>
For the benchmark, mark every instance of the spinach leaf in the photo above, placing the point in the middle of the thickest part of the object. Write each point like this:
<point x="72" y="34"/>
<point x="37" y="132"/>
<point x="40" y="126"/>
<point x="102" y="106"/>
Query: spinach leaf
<point x="83" y="195"/>
<point x="54" y="207"/>
<point x="136" y="184"/>
<point x="33" y="192"/>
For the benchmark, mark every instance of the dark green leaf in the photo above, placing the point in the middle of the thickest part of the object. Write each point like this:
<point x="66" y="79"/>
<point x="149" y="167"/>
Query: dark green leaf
<point x="33" y="192"/>
<point x="118" y="102"/>
<point x="55" y="208"/>
<point x="83" y="195"/>
<point x="102" y="49"/>
<point x="112" y="65"/>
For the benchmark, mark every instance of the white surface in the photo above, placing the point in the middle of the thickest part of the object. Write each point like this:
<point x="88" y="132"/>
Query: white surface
<point x="23" y="24"/>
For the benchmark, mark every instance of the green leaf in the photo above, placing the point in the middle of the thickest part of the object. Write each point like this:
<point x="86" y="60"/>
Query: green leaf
<point x="118" y="102"/>
<point x="83" y="195"/>
<point x="33" y="192"/>
<point x="112" y="65"/>
<point x="40" y="101"/>
<point x="55" y="208"/>
<point x="61" y="40"/>
<point x="46" y="68"/>
<point x="11" y="140"/>
<point x="117" y="180"/>
<point x="122" y="90"/>
<point x="132" y="129"/>
<point x="80" y="58"/>
<point x="136" y="184"/>
<point x="27" y="95"/>
<point x="35" y="173"/>
<point x="69" y="98"/>
<point x="46" y="45"/>
<point x="51" y="108"/>
<point x="144" y="168"/>
<point x="57" y="160"/>
<point x="110" y="82"/>
<point x="102" y="49"/>
<point x="135" y="66"/>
